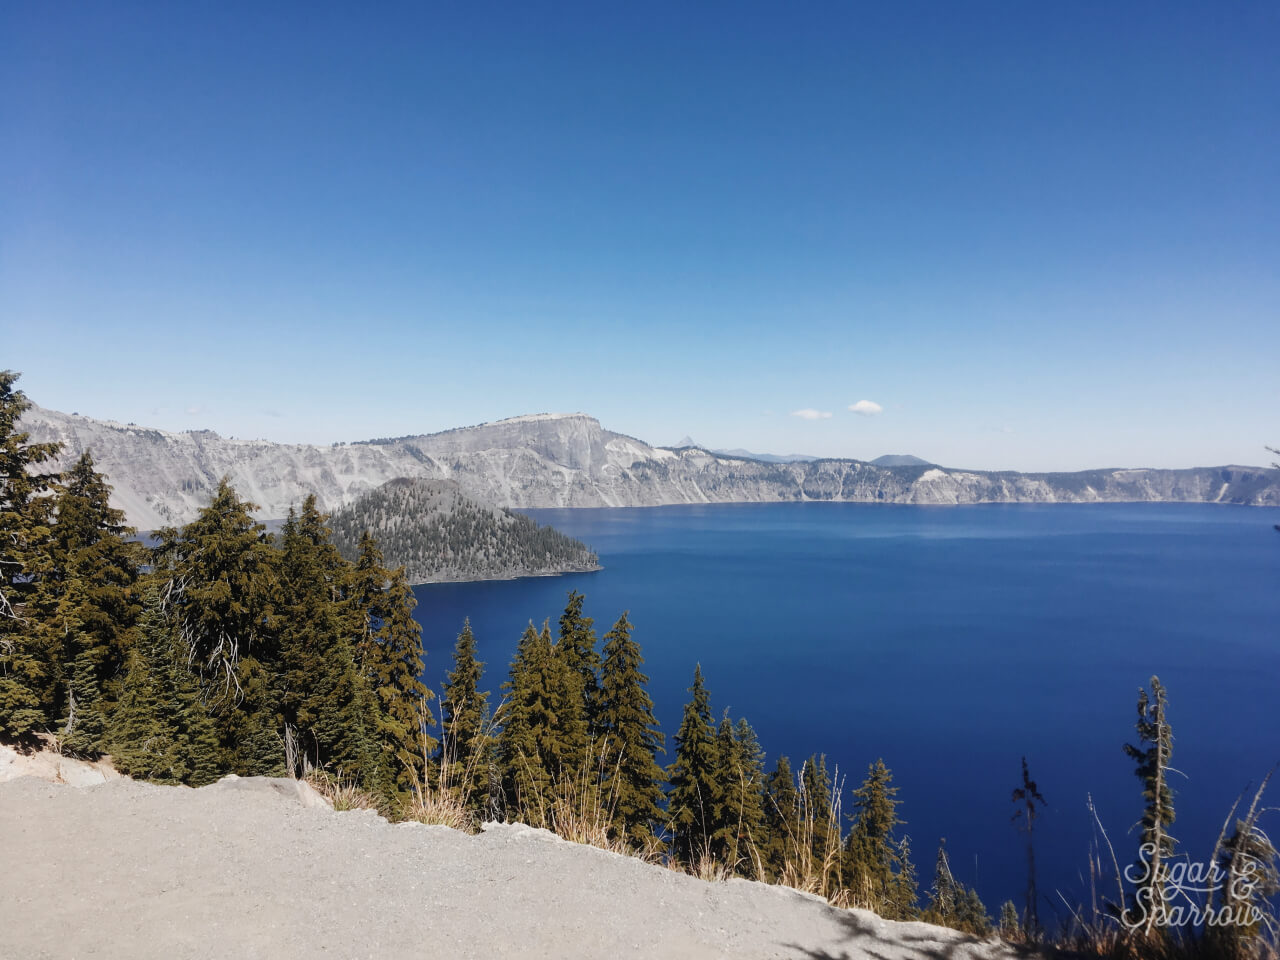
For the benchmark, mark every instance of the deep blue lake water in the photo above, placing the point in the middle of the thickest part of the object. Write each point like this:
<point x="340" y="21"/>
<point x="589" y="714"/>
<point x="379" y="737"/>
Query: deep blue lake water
<point x="950" y="641"/>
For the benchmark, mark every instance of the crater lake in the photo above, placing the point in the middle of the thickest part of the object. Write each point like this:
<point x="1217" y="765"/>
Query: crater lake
<point x="949" y="641"/>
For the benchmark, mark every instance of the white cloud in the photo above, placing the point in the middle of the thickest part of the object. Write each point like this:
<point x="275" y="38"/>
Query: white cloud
<point x="866" y="408"/>
<point x="808" y="413"/>
<point x="194" y="411"/>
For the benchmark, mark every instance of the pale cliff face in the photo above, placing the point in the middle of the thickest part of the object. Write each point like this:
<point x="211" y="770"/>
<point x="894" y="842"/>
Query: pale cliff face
<point x="565" y="460"/>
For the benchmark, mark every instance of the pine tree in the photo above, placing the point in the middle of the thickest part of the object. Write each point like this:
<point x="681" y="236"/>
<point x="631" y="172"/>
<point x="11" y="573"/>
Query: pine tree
<point x="84" y="724"/>
<point x="160" y="730"/>
<point x="564" y="741"/>
<point x="218" y="581"/>
<point x="322" y="695"/>
<point x="972" y="915"/>
<point x="88" y="603"/>
<point x="952" y="904"/>
<point x="389" y="656"/>
<point x="944" y="893"/>
<point x="27" y="685"/>
<point x="253" y="743"/>
<point x="1010" y="926"/>
<point x="528" y="722"/>
<point x="90" y="543"/>
<point x="402" y="696"/>
<point x="906" y="893"/>
<point x="739" y="816"/>
<point x="219" y="576"/>
<point x="198" y="736"/>
<point x="1151" y="755"/>
<point x="871" y="862"/>
<point x="695" y="792"/>
<point x="781" y="820"/>
<point x="137" y="735"/>
<point x="367" y="588"/>
<point x="630" y="737"/>
<point x="576" y="646"/>
<point x="464" y="740"/>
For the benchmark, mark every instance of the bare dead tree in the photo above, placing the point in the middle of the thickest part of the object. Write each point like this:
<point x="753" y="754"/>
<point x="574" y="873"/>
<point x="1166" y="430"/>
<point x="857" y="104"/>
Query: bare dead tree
<point x="1029" y="800"/>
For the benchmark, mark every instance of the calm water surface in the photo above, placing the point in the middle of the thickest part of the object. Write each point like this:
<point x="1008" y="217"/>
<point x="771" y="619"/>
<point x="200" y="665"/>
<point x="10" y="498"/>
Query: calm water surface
<point x="950" y="641"/>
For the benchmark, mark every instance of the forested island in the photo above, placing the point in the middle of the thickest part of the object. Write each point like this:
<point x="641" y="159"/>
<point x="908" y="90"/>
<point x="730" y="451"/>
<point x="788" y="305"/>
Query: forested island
<point x="437" y="532"/>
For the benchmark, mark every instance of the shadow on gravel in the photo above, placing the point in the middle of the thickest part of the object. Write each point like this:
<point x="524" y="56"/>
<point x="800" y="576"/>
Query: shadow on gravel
<point x="869" y="945"/>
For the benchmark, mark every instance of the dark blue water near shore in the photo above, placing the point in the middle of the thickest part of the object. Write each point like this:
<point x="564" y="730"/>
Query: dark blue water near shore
<point x="950" y="641"/>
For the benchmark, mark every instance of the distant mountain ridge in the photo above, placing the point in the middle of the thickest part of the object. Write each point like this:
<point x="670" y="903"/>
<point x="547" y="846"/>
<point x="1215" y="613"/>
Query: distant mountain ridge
<point x="768" y="457"/>
<point x="688" y="441"/>
<point x="568" y="460"/>
<point x="900" y="460"/>
<point x="438" y="533"/>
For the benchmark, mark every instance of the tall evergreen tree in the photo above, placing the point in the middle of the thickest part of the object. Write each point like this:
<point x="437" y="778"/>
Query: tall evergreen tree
<point x="89" y="599"/>
<point x="695" y="793"/>
<point x="84" y="724"/>
<point x="219" y="575"/>
<point x="390" y="658"/>
<point x="1151" y="756"/>
<point x="565" y="743"/>
<point x="322" y="694"/>
<point x="872" y="864"/>
<point x="906" y="895"/>
<point x="951" y="903"/>
<point x="739" y="827"/>
<point x="160" y="729"/>
<point x="27" y="685"/>
<point x="781" y="820"/>
<point x="91" y="542"/>
<point x="218" y="580"/>
<point x="250" y="730"/>
<point x="402" y="697"/>
<point x="945" y="892"/>
<point x="576" y="646"/>
<point x="367" y="588"/>
<point x="629" y="736"/>
<point x="542" y="735"/>
<point x="464" y="739"/>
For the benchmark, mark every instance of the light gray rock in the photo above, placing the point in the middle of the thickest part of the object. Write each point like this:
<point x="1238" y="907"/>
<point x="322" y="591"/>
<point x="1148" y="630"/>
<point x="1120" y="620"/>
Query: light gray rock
<point x="285" y="788"/>
<point x="132" y="870"/>
<point x="54" y="768"/>
<point x="160" y="477"/>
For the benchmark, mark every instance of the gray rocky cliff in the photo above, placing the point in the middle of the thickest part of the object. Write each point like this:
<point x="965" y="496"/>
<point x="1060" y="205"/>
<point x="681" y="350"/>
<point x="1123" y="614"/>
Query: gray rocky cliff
<point x="551" y="460"/>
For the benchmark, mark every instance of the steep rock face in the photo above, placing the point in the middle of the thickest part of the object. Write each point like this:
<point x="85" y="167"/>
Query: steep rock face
<point x="160" y="477"/>
<point x="553" y="460"/>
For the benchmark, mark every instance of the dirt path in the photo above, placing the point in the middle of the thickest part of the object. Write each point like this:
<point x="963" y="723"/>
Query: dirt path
<point x="241" y="870"/>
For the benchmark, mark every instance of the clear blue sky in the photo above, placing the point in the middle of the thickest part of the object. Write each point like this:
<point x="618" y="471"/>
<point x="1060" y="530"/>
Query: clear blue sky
<point x="1036" y="235"/>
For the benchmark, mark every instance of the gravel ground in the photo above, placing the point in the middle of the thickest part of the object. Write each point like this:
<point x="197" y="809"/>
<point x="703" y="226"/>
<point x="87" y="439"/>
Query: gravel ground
<point x="244" y="870"/>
